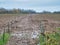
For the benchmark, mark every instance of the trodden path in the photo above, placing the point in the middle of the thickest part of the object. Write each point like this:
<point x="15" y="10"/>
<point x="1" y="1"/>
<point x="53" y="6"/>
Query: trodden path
<point x="25" y="32"/>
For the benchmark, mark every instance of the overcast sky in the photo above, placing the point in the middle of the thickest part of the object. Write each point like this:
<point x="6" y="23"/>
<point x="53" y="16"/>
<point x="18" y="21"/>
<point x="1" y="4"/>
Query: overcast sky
<point x="38" y="5"/>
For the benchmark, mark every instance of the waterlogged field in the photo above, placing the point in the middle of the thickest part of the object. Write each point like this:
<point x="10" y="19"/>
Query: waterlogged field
<point x="28" y="25"/>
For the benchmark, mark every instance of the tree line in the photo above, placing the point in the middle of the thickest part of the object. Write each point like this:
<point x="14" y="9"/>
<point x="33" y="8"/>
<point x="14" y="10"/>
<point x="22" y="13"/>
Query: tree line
<point x="18" y="11"/>
<point x="14" y="11"/>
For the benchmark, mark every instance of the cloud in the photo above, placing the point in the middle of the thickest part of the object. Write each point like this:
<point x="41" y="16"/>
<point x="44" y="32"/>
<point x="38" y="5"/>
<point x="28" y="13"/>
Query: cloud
<point x="31" y="4"/>
<point x="31" y="1"/>
<point x="41" y="1"/>
<point x="34" y="3"/>
<point x="3" y="0"/>
<point x="20" y="0"/>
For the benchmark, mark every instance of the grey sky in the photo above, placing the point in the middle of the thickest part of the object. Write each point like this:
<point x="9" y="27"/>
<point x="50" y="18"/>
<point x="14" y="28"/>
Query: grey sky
<point x="38" y="5"/>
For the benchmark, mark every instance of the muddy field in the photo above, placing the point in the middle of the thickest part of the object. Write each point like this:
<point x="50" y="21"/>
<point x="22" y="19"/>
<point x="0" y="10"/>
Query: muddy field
<point x="26" y="27"/>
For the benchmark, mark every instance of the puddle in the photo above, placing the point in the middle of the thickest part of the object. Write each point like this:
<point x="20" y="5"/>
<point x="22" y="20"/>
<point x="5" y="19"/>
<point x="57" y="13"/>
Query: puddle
<point x="35" y="34"/>
<point x="27" y="34"/>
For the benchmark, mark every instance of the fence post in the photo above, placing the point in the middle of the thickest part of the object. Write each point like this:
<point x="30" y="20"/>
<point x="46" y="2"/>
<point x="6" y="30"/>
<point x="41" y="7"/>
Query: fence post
<point x="42" y="30"/>
<point x="11" y="26"/>
<point x="42" y="27"/>
<point x="8" y="28"/>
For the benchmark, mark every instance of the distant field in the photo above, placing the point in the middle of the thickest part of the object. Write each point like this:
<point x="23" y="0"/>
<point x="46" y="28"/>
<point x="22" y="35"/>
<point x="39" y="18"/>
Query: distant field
<point x="7" y="17"/>
<point x="4" y="18"/>
<point x="35" y="16"/>
<point x="48" y="16"/>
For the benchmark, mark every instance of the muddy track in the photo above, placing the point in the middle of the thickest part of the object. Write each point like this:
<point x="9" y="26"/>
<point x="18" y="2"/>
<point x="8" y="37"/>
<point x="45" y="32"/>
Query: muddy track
<point x="24" y="31"/>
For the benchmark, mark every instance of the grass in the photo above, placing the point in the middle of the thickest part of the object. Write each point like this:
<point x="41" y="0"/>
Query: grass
<point x="58" y="28"/>
<point x="54" y="38"/>
<point x="6" y="38"/>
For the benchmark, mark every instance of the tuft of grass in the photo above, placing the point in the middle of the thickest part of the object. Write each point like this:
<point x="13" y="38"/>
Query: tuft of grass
<point x="54" y="39"/>
<point x="58" y="28"/>
<point x="6" y="38"/>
